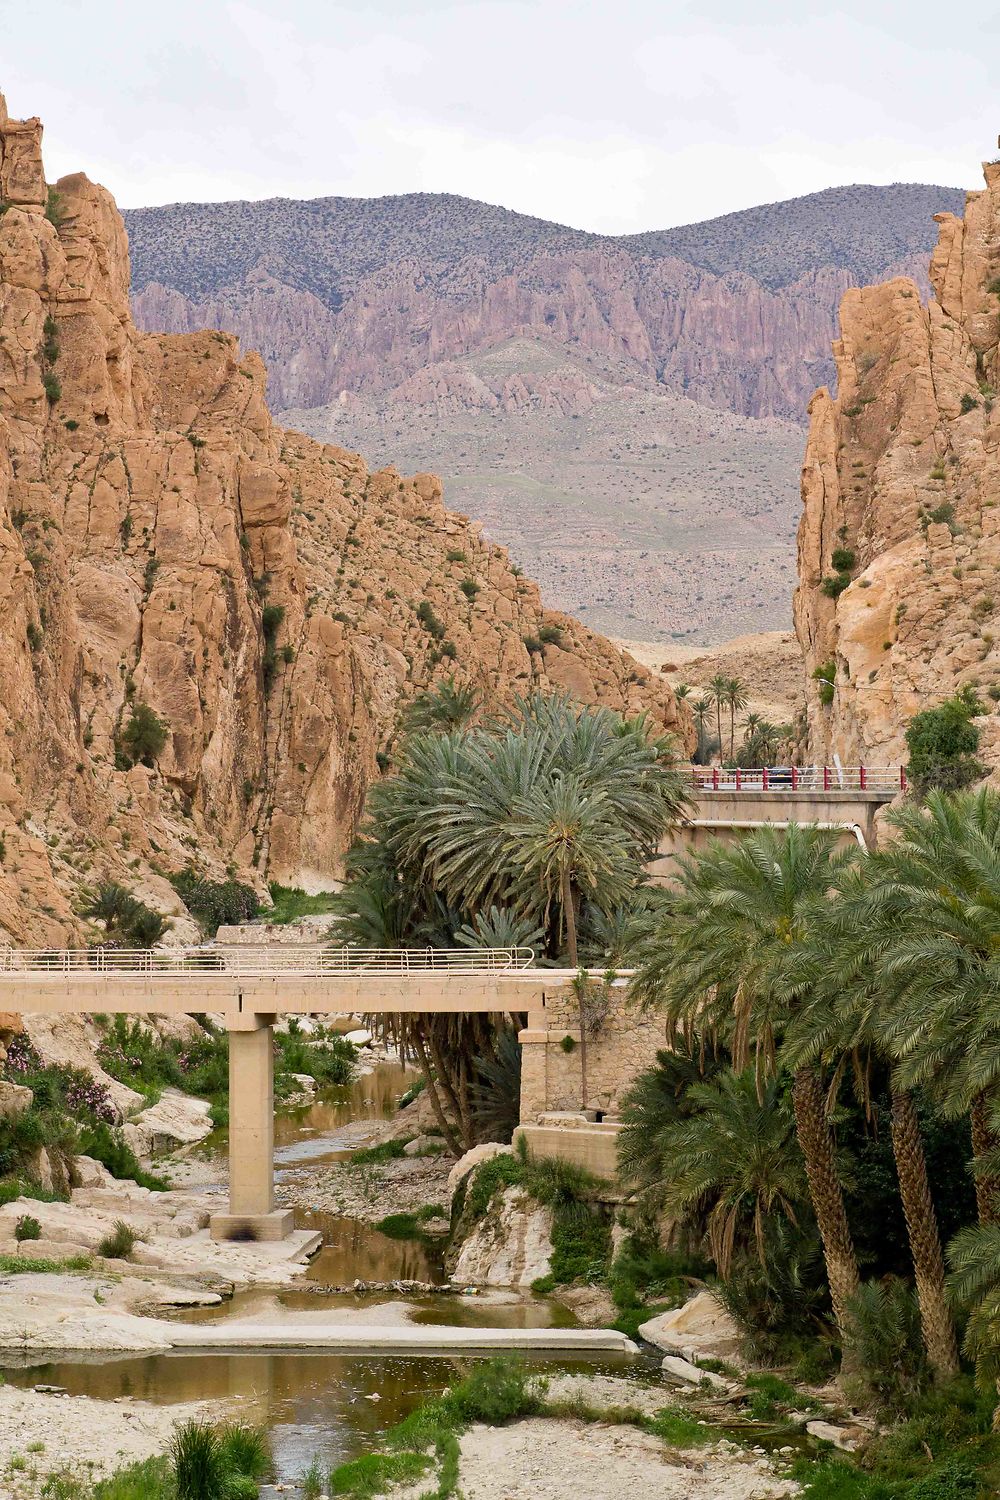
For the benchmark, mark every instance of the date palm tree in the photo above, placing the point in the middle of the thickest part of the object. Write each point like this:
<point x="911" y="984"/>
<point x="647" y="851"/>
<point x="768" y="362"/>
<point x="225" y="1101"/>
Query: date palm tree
<point x="718" y="956"/>
<point x="929" y="921"/>
<point x="736" y="1152"/>
<point x="841" y="1022"/>
<point x="719" y="688"/>
<point x="736" y="700"/>
<point x="702" y="711"/>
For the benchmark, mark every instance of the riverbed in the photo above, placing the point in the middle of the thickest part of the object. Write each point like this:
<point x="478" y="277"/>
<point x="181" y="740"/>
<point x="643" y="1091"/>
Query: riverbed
<point x="319" y="1404"/>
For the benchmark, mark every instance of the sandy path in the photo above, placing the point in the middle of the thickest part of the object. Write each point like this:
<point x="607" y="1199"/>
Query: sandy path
<point x="542" y="1459"/>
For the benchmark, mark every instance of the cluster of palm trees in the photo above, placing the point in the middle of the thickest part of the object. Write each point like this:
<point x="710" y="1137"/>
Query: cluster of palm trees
<point x="531" y="827"/>
<point x="790" y="969"/>
<point x="725" y="698"/>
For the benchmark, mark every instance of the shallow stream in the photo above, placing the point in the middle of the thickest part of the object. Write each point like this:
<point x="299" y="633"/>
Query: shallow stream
<point x="333" y="1405"/>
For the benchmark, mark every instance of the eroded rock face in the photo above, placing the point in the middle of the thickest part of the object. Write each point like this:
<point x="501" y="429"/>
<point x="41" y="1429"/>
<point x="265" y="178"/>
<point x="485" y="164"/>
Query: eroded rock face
<point x="510" y="1246"/>
<point x="274" y="602"/>
<point x="902" y="470"/>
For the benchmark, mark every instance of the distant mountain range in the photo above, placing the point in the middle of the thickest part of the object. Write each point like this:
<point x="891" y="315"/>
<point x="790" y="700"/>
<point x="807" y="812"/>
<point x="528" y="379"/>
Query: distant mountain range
<point x="375" y="317"/>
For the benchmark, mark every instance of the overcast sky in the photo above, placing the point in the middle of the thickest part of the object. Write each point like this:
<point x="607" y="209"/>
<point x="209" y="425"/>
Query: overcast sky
<point x="617" y="115"/>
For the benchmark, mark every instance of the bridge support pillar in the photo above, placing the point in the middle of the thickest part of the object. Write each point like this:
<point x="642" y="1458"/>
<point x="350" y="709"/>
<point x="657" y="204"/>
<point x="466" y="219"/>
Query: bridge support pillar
<point x="252" y="1214"/>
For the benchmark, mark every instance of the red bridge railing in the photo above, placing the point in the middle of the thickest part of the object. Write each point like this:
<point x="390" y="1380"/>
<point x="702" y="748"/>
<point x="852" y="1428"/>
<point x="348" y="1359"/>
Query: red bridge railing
<point x="831" y="779"/>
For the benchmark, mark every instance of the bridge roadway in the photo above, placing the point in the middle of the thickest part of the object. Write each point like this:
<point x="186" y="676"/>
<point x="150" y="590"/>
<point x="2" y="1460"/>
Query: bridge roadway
<point x="250" y="988"/>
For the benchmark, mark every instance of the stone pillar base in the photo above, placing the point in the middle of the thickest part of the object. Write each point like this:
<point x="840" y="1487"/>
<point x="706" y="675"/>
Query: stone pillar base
<point x="262" y="1228"/>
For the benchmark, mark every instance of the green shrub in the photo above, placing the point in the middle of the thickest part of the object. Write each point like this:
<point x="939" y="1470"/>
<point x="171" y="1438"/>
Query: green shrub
<point x="27" y="1228"/>
<point x="430" y="621"/>
<point x="835" y="585"/>
<point x="52" y="386"/>
<point x="531" y="643"/>
<point x="246" y="1451"/>
<point x="215" y="903"/>
<point x="942" y="743"/>
<point x="144" y="736"/>
<point x="883" y="1321"/>
<point x="550" y="635"/>
<point x="968" y="403"/>
<point x="289" y="903"/>
<point x="826" y="675"/>
<point x="330" y="1061"/>
<point x="843" y="559"/>
<point x="110" y="1147"/>
<point x="119" y="1244"/>
<point x="470" y="588"/>
<point x="383" y="1152"/>
<point x="50" y="340"/>
<point x="55" y="207"/>
<point x="943" y="514"/>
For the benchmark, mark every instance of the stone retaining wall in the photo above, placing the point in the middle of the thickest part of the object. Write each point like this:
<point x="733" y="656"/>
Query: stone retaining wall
<point x="624" y="1045"/>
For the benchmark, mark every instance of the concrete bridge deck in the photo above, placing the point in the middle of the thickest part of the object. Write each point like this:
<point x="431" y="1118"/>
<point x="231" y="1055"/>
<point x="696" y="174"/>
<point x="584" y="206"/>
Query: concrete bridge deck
<point x="250" y="988"/>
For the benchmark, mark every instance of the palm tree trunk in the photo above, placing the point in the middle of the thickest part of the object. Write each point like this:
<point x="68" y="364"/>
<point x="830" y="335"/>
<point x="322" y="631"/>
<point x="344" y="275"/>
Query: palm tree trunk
<point x="443" y="1073"/>
<point x="569" y="917"/>
<point x="925" y="1241"/>
<point x="827" y="1196"/>
<point x="444" y="1124"/>
<point x="983" y="1140"/>
<point x="718" y="722"/>
<point x="732" y="731"/>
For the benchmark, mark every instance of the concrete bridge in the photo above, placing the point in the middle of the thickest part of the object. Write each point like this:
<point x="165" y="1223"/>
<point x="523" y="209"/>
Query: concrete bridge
<point x="727" y="803"/>
<point x="251" y="987"/>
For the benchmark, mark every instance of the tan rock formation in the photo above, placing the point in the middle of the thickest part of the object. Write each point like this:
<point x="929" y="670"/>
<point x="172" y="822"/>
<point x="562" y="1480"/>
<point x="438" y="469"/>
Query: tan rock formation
<point x="902" y="470"/>
<point x="163" y="543"/>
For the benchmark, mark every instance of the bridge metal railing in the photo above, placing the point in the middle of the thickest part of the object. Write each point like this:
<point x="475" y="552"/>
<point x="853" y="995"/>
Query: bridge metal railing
<point x="247" y="961"/>
<point x="829" y="779"/>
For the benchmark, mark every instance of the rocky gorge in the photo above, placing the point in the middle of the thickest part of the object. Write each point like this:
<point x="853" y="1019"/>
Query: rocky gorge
<point x="166" y="550"/>
<point x="899" y="540"/>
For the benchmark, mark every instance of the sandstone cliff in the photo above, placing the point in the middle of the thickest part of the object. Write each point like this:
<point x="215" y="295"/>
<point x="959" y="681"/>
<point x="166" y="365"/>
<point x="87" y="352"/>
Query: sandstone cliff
<point x="162" y="542"/>
<point x="902" y="480"/>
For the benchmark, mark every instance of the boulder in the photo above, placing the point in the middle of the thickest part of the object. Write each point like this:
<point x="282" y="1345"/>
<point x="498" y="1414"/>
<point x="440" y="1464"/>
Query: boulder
<point x="701" y="1329"/>
<point x="511" y="1246"/>
<point x="359" y="1038"/>
<point x="176" y="1119"/>
<point x="685" y="1373"/>
<point x="841" y="1437"/>
<point x="88" y="1173"/>
<point x="15" y="1099"/>
<point x="472" y="1159"/>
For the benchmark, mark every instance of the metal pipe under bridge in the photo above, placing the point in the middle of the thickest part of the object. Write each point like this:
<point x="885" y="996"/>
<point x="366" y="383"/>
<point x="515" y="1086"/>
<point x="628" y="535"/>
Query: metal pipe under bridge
<point x="251" y="987"/>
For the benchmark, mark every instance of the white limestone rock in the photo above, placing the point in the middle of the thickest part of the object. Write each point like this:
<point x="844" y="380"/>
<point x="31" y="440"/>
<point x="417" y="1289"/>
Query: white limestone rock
<point x="472" y="1159"/>
<point x="840" y="1437"/>
<point x="15" y="1099"/>
<point x="176" y="1119"/>
<point x="682" y="1370"/>
<point x="511" y="1246"/>
<point x="701" y="1329"/>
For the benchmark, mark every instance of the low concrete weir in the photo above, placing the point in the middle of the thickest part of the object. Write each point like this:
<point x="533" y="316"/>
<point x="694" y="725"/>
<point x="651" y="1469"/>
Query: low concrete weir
<point x="377" y="1338"/>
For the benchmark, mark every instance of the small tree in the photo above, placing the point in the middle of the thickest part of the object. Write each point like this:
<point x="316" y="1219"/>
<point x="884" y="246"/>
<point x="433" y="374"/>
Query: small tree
<point x="942" y="743"/>
<point x="144" y="736"/>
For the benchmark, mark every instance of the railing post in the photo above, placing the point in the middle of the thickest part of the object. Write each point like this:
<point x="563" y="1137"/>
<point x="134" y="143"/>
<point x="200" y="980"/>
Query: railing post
<point x="863" y="778"/>
<point x="795" y="778"/>
<point x="739" y="780"/>
<point x="715" y="778"/>
<point x="763" y="778"/>
<point x="826" y="778"/>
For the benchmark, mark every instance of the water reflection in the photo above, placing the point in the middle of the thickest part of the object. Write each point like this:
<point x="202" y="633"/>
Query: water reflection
<point x="355" y="1250"/>
<point x="486" y="1310"/>
<point x="316" y="1132"/>
<point x="312" y="1403"/>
